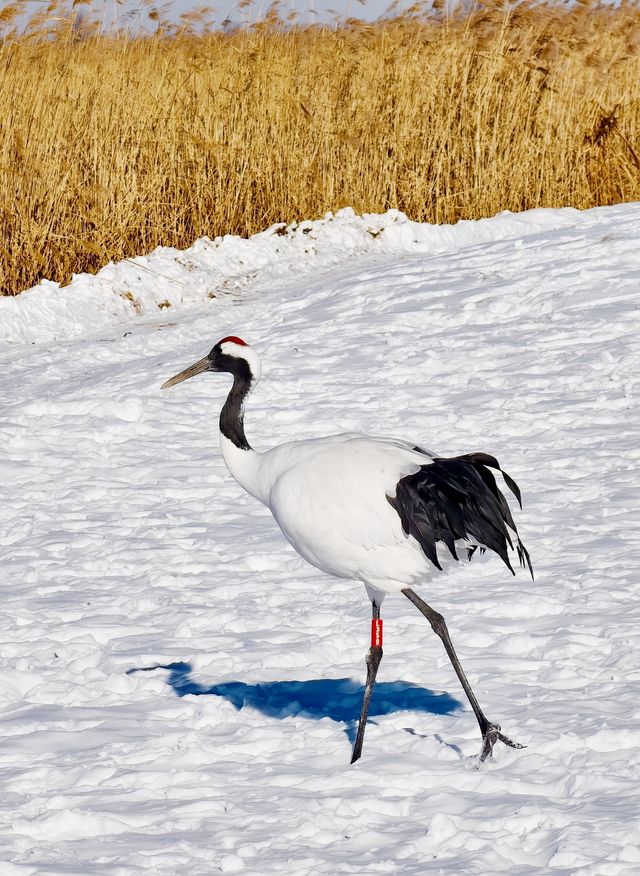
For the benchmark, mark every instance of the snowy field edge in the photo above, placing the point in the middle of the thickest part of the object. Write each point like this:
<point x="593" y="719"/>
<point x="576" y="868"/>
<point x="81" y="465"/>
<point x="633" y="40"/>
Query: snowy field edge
<point x="169" y="278"/>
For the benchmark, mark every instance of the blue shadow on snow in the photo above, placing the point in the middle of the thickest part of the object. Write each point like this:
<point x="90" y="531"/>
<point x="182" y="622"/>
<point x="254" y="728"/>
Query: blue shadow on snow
<point x="337" y="698"/>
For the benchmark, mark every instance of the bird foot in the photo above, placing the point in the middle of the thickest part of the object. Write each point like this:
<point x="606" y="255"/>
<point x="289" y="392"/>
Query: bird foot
<point x="490" y="736"/>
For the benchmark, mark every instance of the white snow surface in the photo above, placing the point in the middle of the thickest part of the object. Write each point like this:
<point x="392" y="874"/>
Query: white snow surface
<point x="126" y="546"/>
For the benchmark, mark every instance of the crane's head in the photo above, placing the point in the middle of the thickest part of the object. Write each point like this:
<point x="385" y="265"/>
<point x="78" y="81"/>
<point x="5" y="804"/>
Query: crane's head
<point x="231" y="355"/>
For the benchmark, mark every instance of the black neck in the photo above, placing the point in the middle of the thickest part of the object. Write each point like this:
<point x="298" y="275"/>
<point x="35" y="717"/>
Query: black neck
<point x="232" y="414"/>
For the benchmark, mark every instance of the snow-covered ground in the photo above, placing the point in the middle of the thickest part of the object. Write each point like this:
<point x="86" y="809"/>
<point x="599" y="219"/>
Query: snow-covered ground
<point x="125" y="546"/>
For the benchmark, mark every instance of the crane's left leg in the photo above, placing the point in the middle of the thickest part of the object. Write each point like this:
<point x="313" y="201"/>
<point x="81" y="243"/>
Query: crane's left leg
<point x="374" y="656"/>
<point x="490" y="731"/>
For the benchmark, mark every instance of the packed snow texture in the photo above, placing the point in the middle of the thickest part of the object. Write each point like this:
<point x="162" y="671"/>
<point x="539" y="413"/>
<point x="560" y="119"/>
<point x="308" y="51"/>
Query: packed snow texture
<point x="180" y="690"/>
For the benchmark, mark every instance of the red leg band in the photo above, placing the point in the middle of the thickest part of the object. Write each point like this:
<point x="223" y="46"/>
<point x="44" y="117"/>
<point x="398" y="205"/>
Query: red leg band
<point x="376" y="633"/>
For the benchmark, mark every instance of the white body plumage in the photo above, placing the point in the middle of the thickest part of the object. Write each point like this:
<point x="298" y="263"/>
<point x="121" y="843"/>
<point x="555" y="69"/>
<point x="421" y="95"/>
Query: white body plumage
<point x="328" y="496"/>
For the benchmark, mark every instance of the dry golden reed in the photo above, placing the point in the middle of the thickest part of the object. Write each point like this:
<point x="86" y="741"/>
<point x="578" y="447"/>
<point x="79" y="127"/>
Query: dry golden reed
<point x="113" y="144"/>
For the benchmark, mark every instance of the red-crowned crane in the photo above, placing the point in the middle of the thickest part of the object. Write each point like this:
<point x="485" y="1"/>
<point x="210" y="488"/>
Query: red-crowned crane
<point x="376" y="510"/>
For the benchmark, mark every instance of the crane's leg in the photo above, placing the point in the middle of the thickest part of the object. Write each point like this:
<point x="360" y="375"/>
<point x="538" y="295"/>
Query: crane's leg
<point x="374" y="656"/>
<point x="490" y="731"/>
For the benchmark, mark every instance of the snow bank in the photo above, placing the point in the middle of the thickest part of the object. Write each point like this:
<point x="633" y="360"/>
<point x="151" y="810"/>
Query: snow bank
<point x="211" y="268"/>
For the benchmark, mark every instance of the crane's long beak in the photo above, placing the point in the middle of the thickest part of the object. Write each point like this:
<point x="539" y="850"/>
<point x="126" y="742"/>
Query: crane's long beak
<point x="197" y="368"/>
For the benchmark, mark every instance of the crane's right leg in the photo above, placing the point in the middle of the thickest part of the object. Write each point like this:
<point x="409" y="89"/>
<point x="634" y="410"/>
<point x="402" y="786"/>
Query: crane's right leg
<point x="374" y="656"/>
<point x="491" y="732"/>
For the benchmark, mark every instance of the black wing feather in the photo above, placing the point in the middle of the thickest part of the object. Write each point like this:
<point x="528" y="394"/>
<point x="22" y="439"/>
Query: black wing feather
<point x="458" y="498"/>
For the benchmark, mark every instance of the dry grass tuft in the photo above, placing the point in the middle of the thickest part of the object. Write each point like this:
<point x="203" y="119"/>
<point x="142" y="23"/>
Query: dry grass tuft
<point x="111" y="145"/>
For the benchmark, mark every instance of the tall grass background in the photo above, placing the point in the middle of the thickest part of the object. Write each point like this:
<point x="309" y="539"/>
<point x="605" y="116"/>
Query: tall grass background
<point x="112" y="144"/>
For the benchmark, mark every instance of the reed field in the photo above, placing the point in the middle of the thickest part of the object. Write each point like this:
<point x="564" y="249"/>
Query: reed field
<point x="112" y="144"/>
